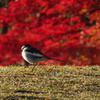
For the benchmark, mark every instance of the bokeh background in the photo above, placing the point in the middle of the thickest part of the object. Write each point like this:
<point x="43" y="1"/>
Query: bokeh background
<point x="65" y="29"/>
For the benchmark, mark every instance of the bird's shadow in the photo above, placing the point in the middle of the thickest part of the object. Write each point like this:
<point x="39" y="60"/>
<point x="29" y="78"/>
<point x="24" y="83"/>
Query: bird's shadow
<point x="23" y="97"/>
<point x="17" y="97"/>
<point x="25" y="91"/>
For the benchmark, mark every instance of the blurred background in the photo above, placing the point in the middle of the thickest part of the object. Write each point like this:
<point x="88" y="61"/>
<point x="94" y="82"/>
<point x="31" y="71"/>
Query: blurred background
<point x="64" y="29"/>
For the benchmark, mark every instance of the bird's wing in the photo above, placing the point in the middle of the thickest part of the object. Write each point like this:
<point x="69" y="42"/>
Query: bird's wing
<point x="33" y="50"/>
<point x="36" y="53"/>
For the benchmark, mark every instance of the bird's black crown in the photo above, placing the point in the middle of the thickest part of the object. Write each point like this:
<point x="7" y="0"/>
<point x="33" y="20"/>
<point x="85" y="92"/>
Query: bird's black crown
<point x="25" y="45"/>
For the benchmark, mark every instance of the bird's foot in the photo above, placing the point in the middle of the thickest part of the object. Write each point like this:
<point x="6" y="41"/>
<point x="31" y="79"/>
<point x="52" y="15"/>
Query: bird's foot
<point x="34" y="66"/>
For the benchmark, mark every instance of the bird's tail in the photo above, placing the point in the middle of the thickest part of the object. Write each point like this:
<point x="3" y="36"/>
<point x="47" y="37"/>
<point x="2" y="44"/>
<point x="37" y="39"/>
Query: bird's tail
<point x="57" y="60"/>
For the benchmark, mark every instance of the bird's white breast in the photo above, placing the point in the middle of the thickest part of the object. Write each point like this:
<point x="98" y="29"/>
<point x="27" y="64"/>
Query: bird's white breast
<point x="32" y="57"/>
<point x="27" y="57"/>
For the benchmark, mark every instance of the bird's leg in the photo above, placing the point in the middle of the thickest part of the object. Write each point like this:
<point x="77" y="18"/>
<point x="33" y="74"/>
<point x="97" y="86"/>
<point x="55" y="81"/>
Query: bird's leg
<point x="26" y="64"/>
<point x="34" y="66"/>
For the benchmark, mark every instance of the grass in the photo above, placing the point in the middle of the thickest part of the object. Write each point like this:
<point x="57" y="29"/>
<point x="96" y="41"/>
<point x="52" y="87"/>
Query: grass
<point x="50" y="83"/>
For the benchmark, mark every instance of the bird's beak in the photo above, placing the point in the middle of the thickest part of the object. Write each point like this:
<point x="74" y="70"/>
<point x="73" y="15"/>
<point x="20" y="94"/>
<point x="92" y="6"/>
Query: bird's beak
<point x="21" y="48"/>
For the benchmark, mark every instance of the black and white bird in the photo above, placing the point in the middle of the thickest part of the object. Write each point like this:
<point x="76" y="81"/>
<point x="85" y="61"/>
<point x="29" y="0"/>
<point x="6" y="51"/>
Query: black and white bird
<point x="33" y="55"/>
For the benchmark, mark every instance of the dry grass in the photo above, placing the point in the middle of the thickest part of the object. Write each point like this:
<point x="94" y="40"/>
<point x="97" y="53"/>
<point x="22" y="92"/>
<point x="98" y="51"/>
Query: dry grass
<point x="50" y="83"/>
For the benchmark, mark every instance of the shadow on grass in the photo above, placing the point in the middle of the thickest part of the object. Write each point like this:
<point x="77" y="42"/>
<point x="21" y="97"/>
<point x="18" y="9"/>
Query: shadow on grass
<point x="24" y="91"/>
<point x="23" y="97"/>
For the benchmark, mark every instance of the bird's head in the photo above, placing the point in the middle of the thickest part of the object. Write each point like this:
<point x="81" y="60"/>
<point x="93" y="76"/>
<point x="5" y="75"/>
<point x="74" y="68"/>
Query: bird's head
<point x="25" y="46"/>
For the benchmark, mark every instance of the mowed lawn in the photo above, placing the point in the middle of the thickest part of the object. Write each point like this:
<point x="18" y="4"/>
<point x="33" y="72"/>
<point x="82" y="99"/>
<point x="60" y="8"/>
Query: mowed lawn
<point x="50" y="83"/>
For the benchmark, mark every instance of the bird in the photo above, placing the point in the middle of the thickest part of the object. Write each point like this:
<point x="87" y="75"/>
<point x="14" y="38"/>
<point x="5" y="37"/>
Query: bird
<point x="32" y="55"/>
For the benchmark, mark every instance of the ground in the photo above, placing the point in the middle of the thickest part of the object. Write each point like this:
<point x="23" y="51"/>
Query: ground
<point x="50" y="83"/>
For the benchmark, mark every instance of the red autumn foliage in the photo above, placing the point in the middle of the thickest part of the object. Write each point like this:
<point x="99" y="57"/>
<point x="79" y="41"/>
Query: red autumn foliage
<point x="64" y="29"/>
